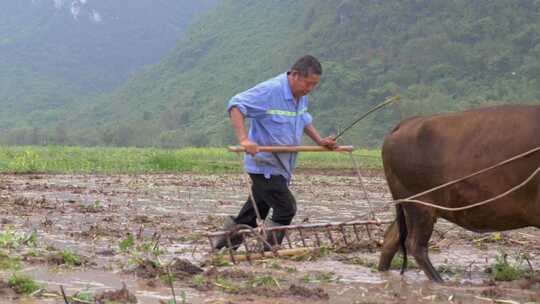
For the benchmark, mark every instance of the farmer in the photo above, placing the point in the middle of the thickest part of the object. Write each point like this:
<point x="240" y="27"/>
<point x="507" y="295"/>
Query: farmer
<point x="277" y="109"/>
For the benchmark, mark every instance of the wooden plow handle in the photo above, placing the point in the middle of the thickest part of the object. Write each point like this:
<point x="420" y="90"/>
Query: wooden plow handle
<point x="288" y="149"/>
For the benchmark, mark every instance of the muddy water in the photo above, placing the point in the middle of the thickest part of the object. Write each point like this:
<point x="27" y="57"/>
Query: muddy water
<point x="91" y="214"/>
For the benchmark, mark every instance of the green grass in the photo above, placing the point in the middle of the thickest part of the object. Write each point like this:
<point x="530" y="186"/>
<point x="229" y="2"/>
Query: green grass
<point x="199" y="280"/>
<point x="58" y="159"/>
<point x="23" y="284"/>
<point x="266" y="281"/>
<point x="397" y="261"/>
<point x="70" y="258"/>
<point x="502" y="270"/>
<point x="82" y="297"/>
<point x="127" y="244"/>
<point x="226" y="286"/>
<point x="9" y="263"/>
<point x="10" y="239"/>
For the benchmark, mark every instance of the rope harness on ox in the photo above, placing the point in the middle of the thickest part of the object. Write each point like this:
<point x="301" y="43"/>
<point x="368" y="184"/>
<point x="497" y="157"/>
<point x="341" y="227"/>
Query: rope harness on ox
<point x="412" y="199"/>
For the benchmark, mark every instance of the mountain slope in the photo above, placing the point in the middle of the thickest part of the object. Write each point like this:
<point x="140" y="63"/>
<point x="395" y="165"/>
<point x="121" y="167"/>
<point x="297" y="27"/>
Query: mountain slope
<point x="440" y="55"/>
<point x="54" y="54"/>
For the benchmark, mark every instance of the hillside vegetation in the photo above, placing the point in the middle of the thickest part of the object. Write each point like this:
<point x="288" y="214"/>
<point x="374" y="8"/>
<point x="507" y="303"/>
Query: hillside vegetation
<point x="56" y="55"/>
<point x="439" y="55"/>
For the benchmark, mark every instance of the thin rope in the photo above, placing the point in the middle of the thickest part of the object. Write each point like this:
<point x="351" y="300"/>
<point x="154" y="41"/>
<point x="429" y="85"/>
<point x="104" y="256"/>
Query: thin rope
<point x="411" y="199"/>
<point x="259" y="220"/>
<point x="484" y="202"/>
<point x="362" y="185"/>
<point x="475" y="173"/>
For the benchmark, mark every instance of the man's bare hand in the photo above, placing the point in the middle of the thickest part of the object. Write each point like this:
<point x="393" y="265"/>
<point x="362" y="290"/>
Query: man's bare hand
<point x="251" y="147"/>
<point x="329" y="142"/>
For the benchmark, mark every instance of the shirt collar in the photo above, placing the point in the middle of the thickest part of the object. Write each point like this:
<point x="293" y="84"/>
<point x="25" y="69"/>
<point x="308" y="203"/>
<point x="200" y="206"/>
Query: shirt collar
<point x="286" y="87"/>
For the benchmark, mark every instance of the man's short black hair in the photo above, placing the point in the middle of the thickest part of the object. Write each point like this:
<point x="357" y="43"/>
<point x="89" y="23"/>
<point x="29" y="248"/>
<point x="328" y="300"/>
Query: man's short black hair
<point x="307" y="65"/>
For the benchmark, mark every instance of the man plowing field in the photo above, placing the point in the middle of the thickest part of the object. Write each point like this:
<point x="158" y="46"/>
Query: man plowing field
<point x="278" y="112"/>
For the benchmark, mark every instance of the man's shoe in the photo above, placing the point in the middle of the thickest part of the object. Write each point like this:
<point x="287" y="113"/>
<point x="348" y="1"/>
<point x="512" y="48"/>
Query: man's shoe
<point x="236" y="239"/>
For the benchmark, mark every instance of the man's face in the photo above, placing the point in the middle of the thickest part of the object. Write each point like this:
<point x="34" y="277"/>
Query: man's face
<point x="301" y="86"/>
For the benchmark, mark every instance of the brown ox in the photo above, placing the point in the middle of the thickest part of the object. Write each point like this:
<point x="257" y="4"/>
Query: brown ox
<point x="424" y="152"/>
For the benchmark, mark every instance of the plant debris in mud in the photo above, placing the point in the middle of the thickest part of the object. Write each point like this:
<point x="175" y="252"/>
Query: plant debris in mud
<point x="267" y="286"/>
<point x="214" y="277"/>
<point x="369" y="246"/>
<point x="147" y="269"/>
<point x="179" y="268"/>
<point x="82" y="298"/>
<point x="25" y="202"/>
<point x="9" y="239"/>
<point x="66" y="257"/>
<point x="122" y="295"/>
<point x="138" y="248"/>
<point x="212" y="222"/>
<point x="357" y="260"/>
<point x="183" y="268"/>
<point x="240" y="282"/>
<point x="9" y="263"/>
<point x="95" y="207"/>
<point x="314" y="254"/>
<point x="305" y="292"/>
<point x="320" y="276"/>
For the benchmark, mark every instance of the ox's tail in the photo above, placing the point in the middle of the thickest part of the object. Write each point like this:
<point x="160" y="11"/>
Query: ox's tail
<point x="402" y="225"/>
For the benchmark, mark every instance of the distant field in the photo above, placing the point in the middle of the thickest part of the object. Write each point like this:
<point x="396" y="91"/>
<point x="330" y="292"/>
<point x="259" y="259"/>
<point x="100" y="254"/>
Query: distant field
<point x="57" y="159"/>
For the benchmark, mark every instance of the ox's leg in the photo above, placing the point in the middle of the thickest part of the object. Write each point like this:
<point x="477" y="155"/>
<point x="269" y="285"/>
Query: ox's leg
<point x="390" y="246"/>
<point x="420" y="225"/>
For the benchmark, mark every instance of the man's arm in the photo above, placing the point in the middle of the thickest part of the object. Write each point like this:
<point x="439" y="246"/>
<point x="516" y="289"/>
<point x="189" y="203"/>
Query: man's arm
<point x="329" y="141"/>
<point x="237" y="119"/>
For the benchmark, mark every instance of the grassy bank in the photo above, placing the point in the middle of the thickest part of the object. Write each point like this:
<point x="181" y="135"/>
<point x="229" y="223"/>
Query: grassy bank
<point x="57" y="159"/>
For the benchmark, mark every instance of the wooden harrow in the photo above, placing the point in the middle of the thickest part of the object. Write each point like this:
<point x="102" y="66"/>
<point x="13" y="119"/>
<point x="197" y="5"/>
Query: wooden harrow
<point x="298" y="238"/>
<point x="302" y="237"/>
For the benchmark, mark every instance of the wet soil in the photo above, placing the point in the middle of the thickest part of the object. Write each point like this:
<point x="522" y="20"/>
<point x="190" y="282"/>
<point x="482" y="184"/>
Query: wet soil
<point x="142" y="230"/>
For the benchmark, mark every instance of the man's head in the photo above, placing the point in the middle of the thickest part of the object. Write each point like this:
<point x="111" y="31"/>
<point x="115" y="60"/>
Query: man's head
<point x="304" y="75"/>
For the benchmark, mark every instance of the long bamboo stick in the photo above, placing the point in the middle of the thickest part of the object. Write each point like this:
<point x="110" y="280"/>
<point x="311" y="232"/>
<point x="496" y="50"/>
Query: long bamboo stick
<point x="288" y="149"/>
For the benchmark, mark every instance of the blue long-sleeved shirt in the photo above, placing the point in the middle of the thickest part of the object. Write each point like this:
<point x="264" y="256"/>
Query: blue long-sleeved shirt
<point x="275" y="120"/>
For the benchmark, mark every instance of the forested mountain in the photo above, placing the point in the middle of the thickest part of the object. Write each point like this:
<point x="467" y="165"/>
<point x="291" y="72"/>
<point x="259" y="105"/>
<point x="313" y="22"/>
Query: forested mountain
<point x="439" y="55"/>
<point x="55" y="54"/>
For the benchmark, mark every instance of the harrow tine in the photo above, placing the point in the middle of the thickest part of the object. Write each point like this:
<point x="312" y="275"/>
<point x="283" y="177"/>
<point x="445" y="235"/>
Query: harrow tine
<point x="368" y="231"/>
<point x="261" y="246"/>
<point x="288" y="238"/>
<point x="302" y="236"/>
<point x="274" y="238"/>
<point x="211" y="243"/>
<point x="231" y="251"/>
<point x="355" y="229"/>
<point x="317" y="239"/>
<point x="248" y="252"/>
<point x="329" y="231"/>
<point x="344" y="233"/>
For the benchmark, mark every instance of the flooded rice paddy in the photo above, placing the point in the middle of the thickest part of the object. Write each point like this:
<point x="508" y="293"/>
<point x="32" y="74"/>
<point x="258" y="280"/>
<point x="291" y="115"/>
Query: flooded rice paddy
<point x="121" y="226"/>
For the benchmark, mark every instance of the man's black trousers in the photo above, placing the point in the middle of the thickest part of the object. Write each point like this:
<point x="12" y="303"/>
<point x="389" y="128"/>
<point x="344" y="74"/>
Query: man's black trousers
<point x="268" y="193"/>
